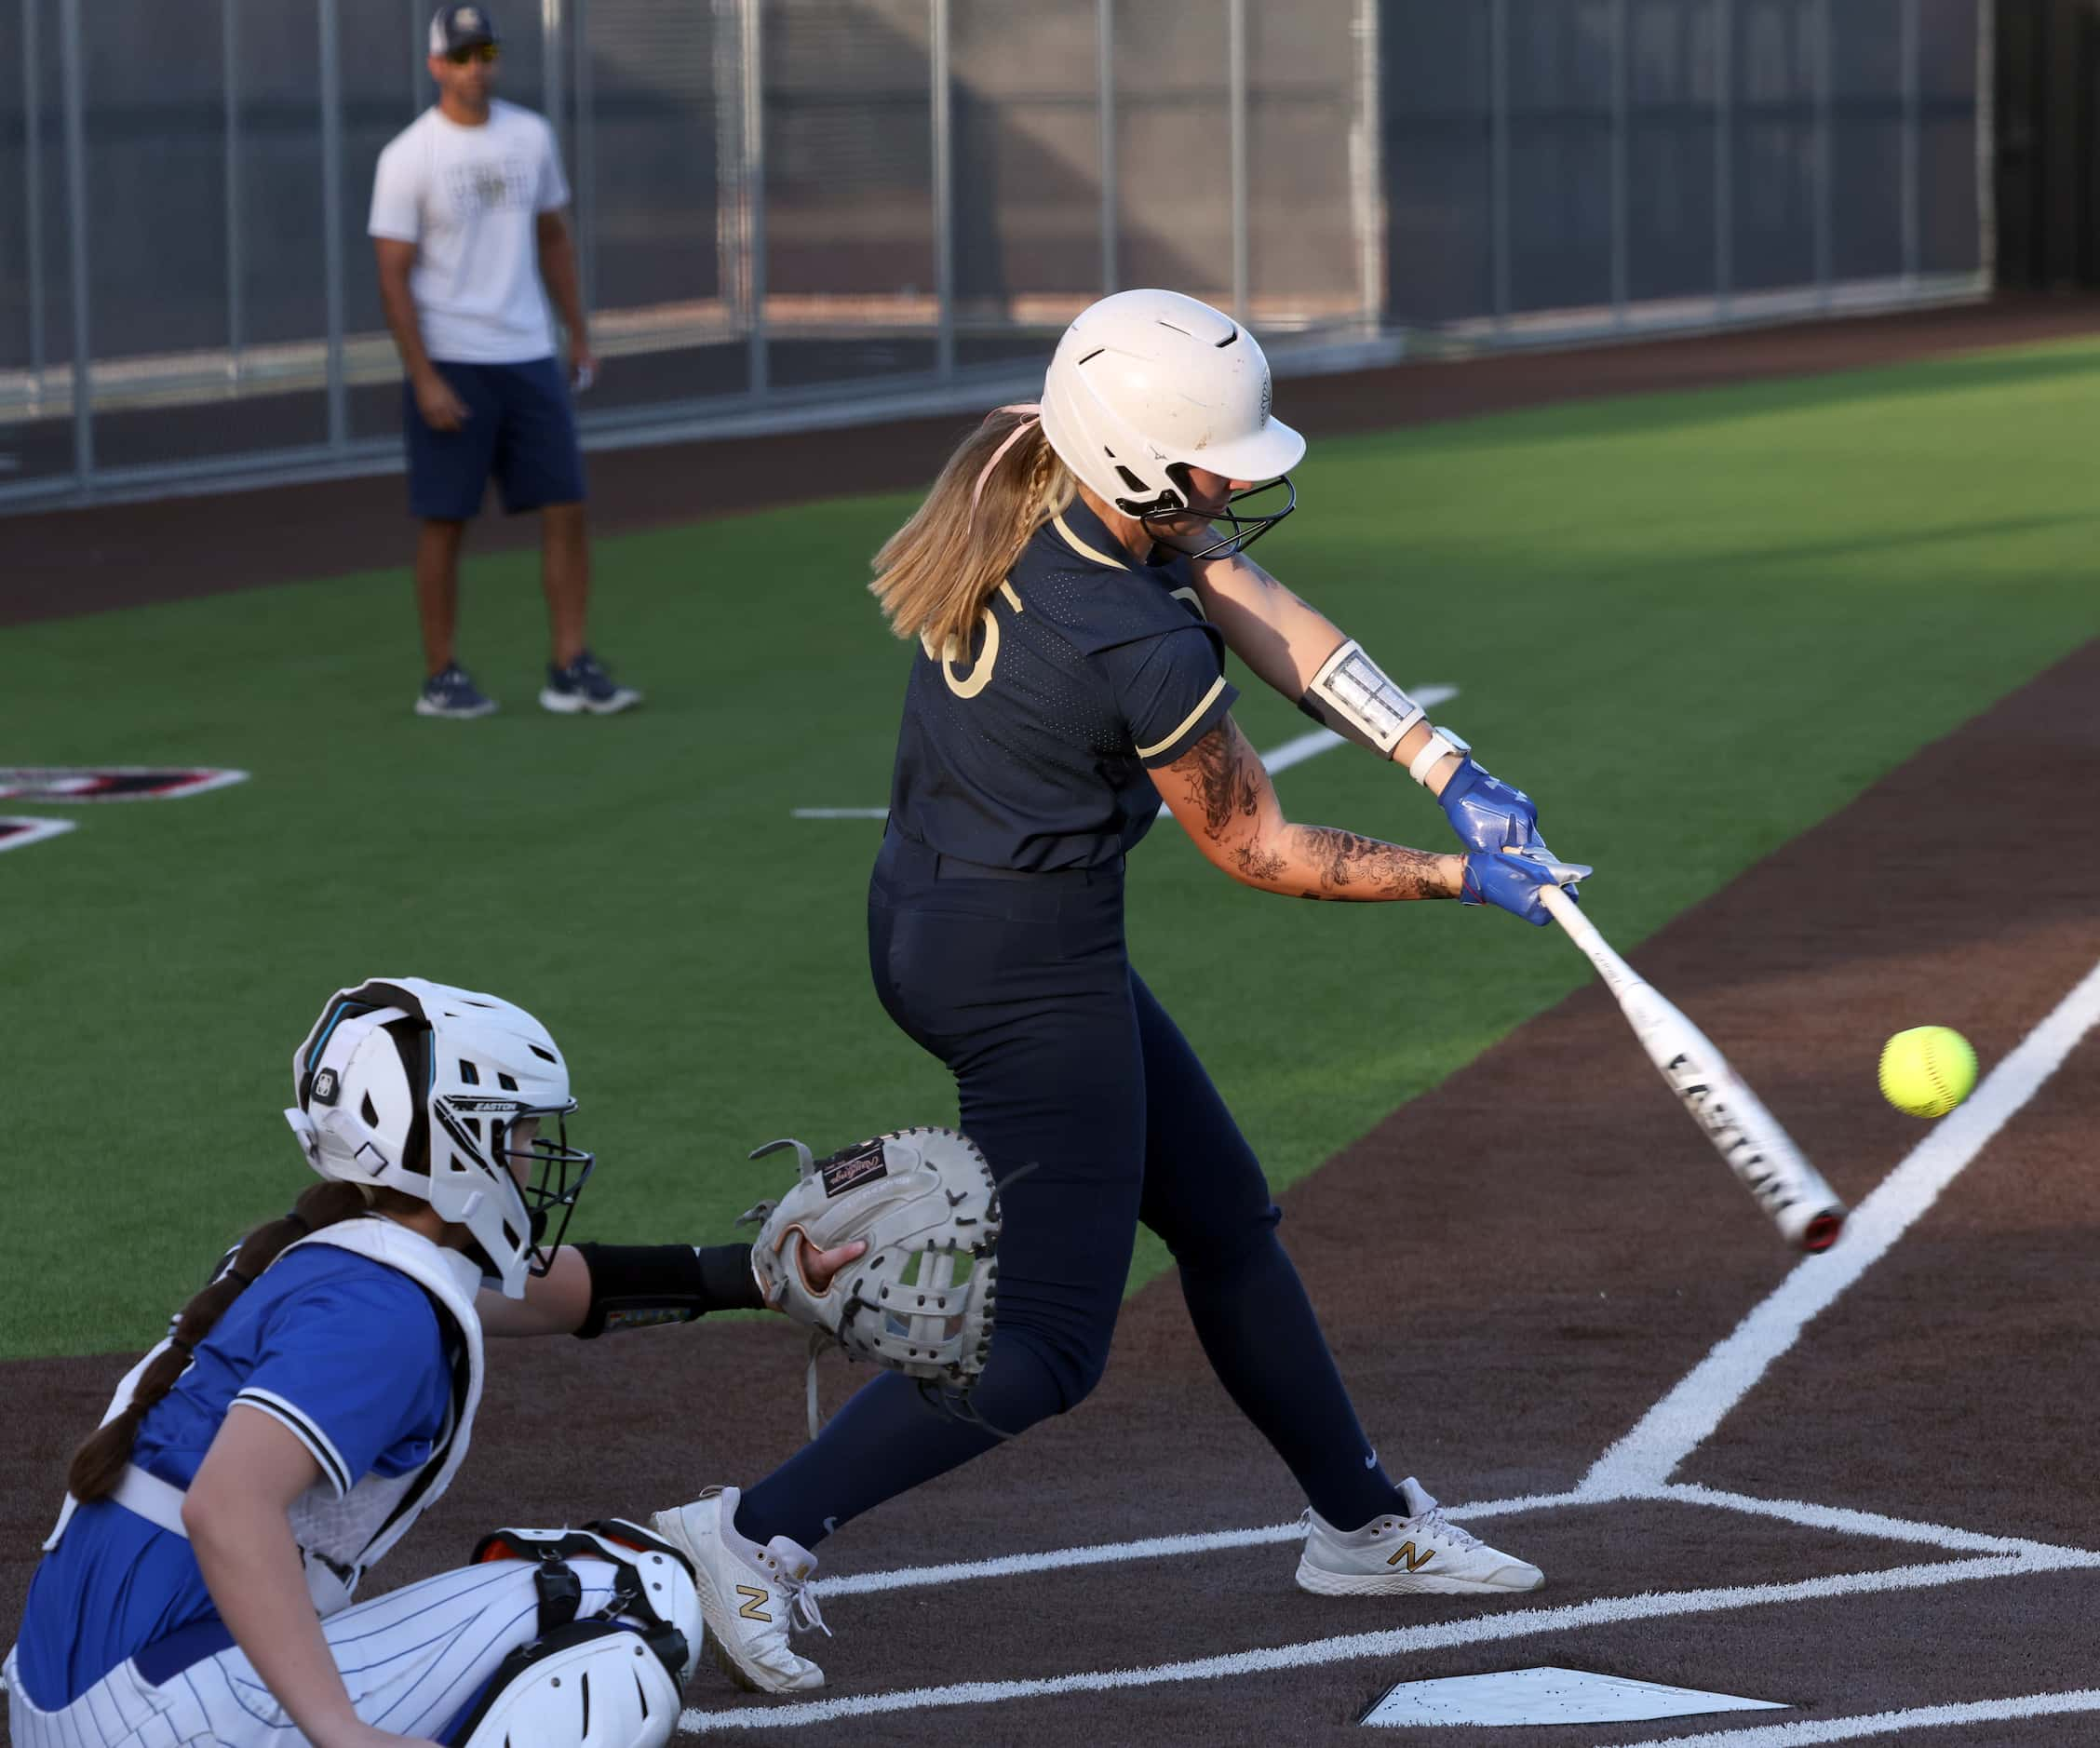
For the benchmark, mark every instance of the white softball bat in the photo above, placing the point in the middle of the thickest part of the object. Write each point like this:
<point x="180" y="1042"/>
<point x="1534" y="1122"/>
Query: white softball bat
<point x="1746" y="1136"/>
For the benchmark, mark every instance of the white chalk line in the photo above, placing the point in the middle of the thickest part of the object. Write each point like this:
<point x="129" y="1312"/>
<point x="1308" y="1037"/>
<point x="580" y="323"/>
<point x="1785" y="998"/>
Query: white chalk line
<point x="1294" y="751"/>
<point x="1873" y="1524"/>
<point x="1146" y="1547"/>
<point x="1395" y="1641"/>
<point x="1853" y="1523"/>
<point x="1677" y="1425"/>
<point x="1885" y="1723"/>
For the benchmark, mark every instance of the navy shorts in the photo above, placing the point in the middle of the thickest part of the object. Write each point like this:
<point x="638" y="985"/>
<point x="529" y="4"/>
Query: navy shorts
<point x="519" y="428"/>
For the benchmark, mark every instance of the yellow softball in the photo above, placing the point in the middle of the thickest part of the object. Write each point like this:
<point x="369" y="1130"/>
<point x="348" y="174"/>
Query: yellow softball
<point x="1928" y="1070"/>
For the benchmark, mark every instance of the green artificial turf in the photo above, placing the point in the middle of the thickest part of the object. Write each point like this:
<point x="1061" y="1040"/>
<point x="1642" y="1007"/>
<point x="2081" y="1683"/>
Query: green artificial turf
<point x="1691" y="626"/>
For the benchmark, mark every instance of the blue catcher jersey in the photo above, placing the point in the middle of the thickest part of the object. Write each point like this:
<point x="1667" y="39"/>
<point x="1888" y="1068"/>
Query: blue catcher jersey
<point x="346" y="1354"/>
<point x="1087" y="667"/>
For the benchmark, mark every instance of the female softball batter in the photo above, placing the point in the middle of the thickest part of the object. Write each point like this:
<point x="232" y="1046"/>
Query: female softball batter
<point x="1071" y="604"/>
<point x="318" y="1397"/>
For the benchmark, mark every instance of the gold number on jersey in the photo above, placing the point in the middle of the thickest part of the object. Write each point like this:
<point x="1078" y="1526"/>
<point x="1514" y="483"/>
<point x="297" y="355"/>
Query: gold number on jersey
<point x="980" y="670"/>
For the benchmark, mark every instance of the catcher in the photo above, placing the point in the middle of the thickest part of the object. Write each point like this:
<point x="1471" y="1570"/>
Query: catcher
<point x="318" y="1397"/>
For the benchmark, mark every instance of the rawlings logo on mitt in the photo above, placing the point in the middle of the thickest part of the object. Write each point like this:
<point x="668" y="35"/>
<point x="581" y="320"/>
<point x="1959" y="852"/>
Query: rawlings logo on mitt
<point x="920" y="1298"/>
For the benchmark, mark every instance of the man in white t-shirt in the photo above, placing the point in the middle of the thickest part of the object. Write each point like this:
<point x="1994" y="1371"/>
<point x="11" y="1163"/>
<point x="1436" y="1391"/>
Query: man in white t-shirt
<point x="466" y="219"/>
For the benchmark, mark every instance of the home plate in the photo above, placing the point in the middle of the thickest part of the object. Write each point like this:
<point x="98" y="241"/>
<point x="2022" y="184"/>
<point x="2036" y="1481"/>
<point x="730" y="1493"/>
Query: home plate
<point x="1546" y="1696"/>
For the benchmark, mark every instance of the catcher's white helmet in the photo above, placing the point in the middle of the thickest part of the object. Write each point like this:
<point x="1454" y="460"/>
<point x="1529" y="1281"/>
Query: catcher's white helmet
<point x="416" y="1086"/>
<point x="1146" y="385"/>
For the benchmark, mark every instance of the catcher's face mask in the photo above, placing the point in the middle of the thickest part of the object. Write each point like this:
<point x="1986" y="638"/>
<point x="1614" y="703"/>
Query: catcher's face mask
<point x="550" y="1175"/>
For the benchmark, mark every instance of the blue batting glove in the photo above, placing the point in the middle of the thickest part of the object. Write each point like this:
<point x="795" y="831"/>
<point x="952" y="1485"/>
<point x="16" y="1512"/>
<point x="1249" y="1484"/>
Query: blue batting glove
<point x="1488" y="813"/>
<point x="1510" y="881"/>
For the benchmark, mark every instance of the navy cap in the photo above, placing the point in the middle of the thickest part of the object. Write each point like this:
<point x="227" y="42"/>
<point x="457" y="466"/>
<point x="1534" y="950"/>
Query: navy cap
<point x="461" y="27"/>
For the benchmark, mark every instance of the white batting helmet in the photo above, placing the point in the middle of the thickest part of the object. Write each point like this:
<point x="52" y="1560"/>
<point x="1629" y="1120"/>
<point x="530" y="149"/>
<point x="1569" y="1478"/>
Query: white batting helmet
<point x="1146" y="385"/>
<point x="416" y="1086"/>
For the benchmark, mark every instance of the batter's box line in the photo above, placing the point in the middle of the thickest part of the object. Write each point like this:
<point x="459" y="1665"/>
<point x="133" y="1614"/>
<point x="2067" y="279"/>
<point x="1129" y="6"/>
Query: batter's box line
<point x="1396" y="1642"/>
<point x="1877" y="1525"/>
<point x="1839" y="1518"/>
<point x="1802" y="1731"/>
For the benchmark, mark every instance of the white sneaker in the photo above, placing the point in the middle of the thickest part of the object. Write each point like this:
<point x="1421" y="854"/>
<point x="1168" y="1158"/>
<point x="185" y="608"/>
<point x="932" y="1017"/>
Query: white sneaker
<point x="749" y="1595"/>
<point x="1392" y="1556"/>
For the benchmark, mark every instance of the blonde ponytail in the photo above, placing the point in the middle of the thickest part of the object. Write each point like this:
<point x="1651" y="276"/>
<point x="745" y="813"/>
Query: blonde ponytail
<point x="936" y="573"/>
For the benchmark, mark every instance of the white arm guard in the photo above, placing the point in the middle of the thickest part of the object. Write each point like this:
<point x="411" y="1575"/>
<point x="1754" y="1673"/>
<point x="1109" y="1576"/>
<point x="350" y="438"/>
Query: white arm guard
<point x="1354" y="689"/>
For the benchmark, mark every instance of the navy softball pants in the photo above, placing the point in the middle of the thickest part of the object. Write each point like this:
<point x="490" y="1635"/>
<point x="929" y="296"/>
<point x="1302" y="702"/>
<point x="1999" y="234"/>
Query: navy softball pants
<point x="1064" y="1063"/>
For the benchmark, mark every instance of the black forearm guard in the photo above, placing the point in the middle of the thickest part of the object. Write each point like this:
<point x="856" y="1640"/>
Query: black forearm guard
<point x="634" y="1287"/>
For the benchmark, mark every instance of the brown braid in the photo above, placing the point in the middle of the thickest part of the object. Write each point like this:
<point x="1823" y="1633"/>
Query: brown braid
<point x="1029" y="514"/>
<point x="99" y="1464"/>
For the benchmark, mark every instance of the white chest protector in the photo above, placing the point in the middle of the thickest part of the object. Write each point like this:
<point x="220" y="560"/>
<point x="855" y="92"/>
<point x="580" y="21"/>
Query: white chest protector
<point x="342" y="1538"/>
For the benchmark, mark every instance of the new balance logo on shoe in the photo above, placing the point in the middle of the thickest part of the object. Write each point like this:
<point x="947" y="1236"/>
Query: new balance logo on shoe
<point x="1415" y="1551"/>
<point x="752" y="1594"/>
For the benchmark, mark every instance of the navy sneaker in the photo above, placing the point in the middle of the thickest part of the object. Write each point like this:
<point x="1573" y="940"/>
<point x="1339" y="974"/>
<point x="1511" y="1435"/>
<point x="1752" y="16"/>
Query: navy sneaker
<point x="451" y="692"/>
<point x="585" y="685"/>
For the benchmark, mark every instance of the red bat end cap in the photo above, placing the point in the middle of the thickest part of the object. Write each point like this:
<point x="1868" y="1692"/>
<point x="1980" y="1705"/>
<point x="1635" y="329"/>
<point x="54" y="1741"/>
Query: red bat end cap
<point x="1823" y="1232"/>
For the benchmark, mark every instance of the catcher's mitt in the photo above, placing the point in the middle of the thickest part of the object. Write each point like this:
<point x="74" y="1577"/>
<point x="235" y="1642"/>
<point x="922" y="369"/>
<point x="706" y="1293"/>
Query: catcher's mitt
<point x="920" y="1298"/>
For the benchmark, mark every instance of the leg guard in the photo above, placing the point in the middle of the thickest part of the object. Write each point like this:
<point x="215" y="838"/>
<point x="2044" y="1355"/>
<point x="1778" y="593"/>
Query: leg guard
<point x="589" y="1685"/>
<point x="653" y="1599"/>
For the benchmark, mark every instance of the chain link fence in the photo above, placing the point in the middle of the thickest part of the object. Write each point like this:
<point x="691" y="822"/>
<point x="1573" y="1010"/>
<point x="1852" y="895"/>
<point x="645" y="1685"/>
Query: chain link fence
<point x="810" y="211"/>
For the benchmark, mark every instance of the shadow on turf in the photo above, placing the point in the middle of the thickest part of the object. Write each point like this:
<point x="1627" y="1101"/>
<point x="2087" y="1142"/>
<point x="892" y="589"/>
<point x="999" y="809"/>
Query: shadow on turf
<point x="1665" y="409"/>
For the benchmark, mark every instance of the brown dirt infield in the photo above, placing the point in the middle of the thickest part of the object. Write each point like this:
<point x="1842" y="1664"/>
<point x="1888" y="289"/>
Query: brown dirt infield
<point x="1513" y="1269"/>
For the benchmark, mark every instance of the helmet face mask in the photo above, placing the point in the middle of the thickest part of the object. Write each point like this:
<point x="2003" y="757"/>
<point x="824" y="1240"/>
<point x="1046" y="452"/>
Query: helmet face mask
<point x="1244" y="530"/>
<point x="554" y="1175"/>
<point x="418" y="1087"/>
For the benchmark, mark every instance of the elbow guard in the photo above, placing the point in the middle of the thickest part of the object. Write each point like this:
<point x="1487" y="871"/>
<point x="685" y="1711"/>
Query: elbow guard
<point x="1351" y="689"/>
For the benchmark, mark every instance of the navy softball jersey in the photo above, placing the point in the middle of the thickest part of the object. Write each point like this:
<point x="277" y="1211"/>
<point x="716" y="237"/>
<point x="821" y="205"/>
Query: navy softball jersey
<point x="1088" y="667"/>
<point x="996" y="943"/>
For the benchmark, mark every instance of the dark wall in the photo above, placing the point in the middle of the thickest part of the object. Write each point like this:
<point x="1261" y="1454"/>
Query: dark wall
<point x="2048" y="96"/>
<point x="1696" y="222"/>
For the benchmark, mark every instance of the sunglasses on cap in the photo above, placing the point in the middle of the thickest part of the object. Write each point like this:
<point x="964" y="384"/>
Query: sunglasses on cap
<point x="487" y="53"/>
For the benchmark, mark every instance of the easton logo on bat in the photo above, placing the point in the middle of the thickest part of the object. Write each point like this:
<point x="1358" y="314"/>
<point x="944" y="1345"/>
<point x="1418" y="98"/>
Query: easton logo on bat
<point x="1763" y="1180"/>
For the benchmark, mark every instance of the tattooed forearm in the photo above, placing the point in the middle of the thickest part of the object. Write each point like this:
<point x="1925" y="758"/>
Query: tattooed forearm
<point x="1257" y="864"/>
<point x="1230" y="774"/>
<point x="1352" y="867"/>
<point x="1221" y="792"/>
